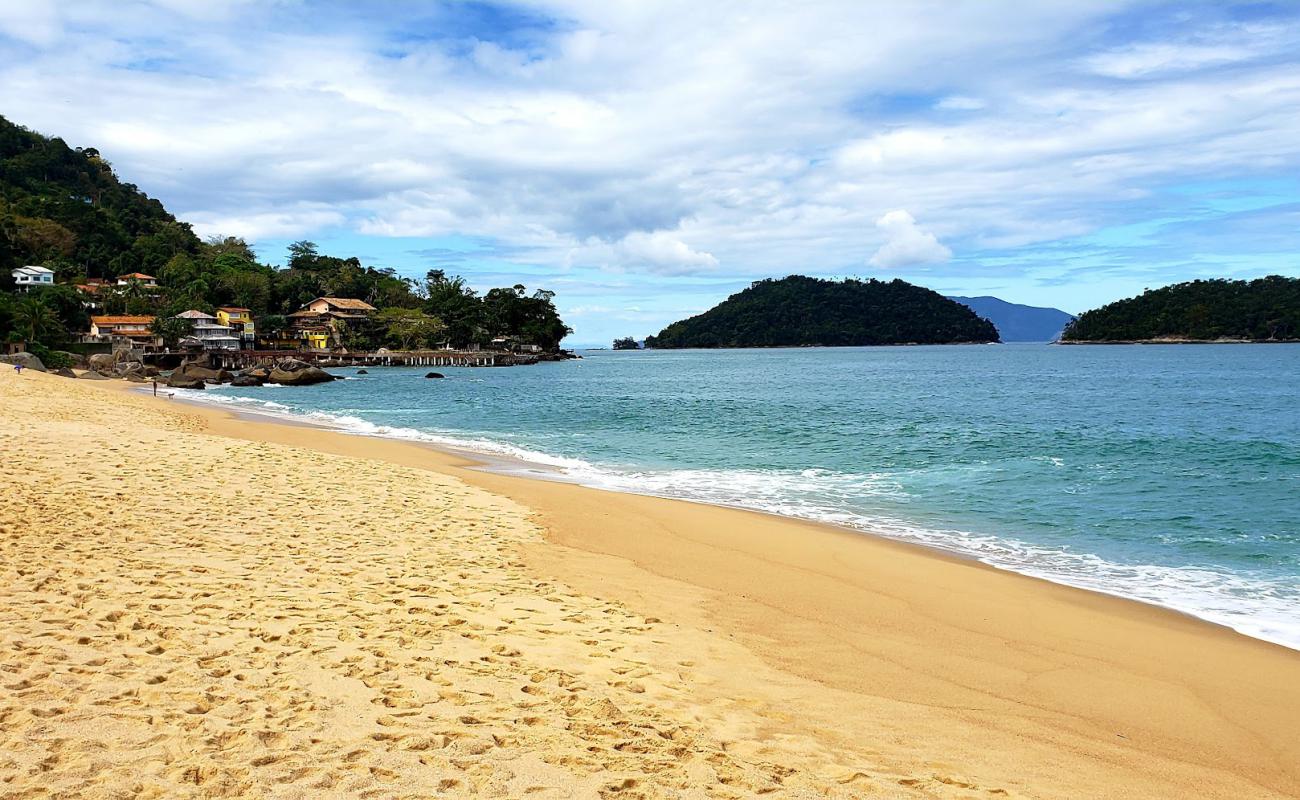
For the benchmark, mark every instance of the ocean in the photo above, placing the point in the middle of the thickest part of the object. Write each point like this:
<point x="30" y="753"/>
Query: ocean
<point x="1167" y="474"/>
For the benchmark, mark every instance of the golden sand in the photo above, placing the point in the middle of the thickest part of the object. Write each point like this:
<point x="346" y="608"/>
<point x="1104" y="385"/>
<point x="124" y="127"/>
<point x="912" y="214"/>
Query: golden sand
<point x="197" y="605"/>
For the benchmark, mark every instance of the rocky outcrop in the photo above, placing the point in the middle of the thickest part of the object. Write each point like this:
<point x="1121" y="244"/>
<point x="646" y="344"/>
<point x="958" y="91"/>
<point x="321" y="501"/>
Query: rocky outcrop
<point x="435" y="375"/>
<point x="363" y="372"/>
<point x="247" y="380"/>
<point x="64" y="372"/>
<point x="28" y="361"/>
<point x="101" y="362"/>
<point x="181" y="380"/>
<point x="202" y="373"/>
<point x="261" y="373"/>
<point x="292" y="372"/>
<point x="92" y="375"/>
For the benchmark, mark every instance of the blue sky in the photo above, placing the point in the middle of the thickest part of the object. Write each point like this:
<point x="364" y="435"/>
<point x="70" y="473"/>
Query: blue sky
<point x="644" y="159"/>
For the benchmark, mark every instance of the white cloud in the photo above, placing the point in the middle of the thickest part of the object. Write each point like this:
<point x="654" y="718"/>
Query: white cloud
<point x="634" y="137"/>
<point x="907" y="244"/>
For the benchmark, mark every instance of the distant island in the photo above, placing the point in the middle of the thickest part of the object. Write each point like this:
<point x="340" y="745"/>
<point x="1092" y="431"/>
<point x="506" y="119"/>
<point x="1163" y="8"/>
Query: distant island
<point x="1016" y="322"/>
<point x="801" y="311"/>
<point x="1262" y="310"/>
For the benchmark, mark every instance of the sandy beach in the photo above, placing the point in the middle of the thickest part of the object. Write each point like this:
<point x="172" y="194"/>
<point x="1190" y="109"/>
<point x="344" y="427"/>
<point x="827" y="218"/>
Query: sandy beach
<point x="194" y="604"/>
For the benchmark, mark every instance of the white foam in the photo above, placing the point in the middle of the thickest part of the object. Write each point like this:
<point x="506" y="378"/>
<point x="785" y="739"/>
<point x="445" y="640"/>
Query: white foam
<point x="1253" y="604"/>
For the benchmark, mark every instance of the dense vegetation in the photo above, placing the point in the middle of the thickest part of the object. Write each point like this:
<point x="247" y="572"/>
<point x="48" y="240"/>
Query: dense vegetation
<point x="798" y="310"/>
<point x="626" y="343"/>
<point x="1266" y="309"/>
<point x="65" y="209"/>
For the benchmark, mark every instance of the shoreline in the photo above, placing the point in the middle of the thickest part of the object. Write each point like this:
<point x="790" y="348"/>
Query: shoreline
<point x="512" y="466"/>
<point x="774" y="655"/>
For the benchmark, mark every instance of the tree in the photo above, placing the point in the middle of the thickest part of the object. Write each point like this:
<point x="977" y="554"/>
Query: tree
<point x="303" y="255"/>
<point x="409" y="327"/>
<point x="36" y="321"/>
<point x="171" y="329"/>
<point x="626" y="343"/>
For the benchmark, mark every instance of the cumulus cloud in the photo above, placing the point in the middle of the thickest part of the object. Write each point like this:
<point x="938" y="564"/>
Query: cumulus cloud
<point x="583" y="134"/>
<point x="906" y="243"/>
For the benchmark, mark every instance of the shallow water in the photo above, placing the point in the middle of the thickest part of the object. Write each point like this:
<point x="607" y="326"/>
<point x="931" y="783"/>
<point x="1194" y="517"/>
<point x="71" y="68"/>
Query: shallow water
<point x="1163" y="473"/>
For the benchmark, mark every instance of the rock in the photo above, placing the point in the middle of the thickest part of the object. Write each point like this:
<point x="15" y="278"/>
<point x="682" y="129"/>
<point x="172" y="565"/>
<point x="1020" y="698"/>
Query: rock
<point x="247" y="380"/>
<point x="299" y="377"/>
<point x="125" y="368"/>
<point x="150" y="371"/>
<point x="64" y="372"/>
<point x="181" y="380"/>
<point x="136" y="377"/>
<point x="100" y="362"/>
<point x="206" y="374"/>
<point x="435" y="375"/>
<point x="363" y="372"/>
<point x="28" y="361"/>
<point x="92" y="375"/>
<point x="261" y="373"/>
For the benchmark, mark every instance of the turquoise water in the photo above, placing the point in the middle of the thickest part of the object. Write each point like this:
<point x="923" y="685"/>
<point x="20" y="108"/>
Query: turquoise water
<point x="1169" y="474"/>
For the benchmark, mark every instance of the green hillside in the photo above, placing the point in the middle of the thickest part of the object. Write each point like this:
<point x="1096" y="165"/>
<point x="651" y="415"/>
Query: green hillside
<point x="799" y="311"/>
<point x="1266" y="309"/>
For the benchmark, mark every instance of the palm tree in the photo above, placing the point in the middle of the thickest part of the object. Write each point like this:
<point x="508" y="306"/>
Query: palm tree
<point x="36" y="320"/>
<point x="171" y="329"/>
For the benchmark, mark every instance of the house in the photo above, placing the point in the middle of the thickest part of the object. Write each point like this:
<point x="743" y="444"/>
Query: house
<point x="28" y="277"/>
<point x="241" y="321"/>
<point x="318" y="326"/>
<point x="148" y="281"/>
<point x="340" y="305"/>
<point x="135" y="328"/>
<point x="208" y="332"/>
<point x="92" y="290"/>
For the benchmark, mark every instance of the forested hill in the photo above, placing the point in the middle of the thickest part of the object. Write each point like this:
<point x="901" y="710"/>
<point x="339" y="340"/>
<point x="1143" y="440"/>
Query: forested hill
<point x="65" y="207"/>
<point x="1266" y="309"/>
<point x="1016" y="322"/>
<point x="799" y="311"/>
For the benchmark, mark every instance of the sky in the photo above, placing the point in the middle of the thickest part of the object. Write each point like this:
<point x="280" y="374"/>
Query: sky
<point x="644" y="160"/>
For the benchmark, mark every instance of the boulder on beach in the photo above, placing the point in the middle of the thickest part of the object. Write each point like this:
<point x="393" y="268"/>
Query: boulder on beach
<point x="181" y="380"/>
<point x="292" y="372"/>
<point x="435" y="375"/>
<point x="28" y="361"/>
<point x="92" y="375"/>
<point x="247" y="380"/>
<point x="260" y="372"/>
<point x="101" y="362"/>
<point x="124" y="368"/>
<point x="202" y="373"/>
<point x="64" y="372"/>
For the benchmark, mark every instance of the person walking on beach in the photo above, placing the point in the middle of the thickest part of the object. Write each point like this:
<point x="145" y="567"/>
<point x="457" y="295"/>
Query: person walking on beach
<point x="19" y="369"/>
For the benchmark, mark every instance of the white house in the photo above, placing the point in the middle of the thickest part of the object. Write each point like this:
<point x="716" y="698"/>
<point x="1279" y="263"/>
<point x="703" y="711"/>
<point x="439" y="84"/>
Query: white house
<point x="213" y="335"/>
<point x="27" y="277"/>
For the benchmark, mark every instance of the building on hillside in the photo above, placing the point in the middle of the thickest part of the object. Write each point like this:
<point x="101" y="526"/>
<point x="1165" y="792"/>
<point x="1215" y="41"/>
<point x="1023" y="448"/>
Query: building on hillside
<point x="92" y="292"/>
<point x="27" y="278"/>
<point x="148" y="281"/>
<point x="241" y="321"/>
<point x="205" y="330"/>
<point x="320" y="323"/>
<point x="123" y="327"/>
<point x="340" y="305"/>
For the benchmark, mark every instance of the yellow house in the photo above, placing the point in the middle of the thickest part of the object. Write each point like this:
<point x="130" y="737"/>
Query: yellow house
<point x="316" y="340"/>
<point x="241" y="320"/>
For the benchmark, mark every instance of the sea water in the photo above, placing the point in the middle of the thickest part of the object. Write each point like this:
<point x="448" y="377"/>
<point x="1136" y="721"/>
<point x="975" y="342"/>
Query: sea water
<point x="1168" y="474"/>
